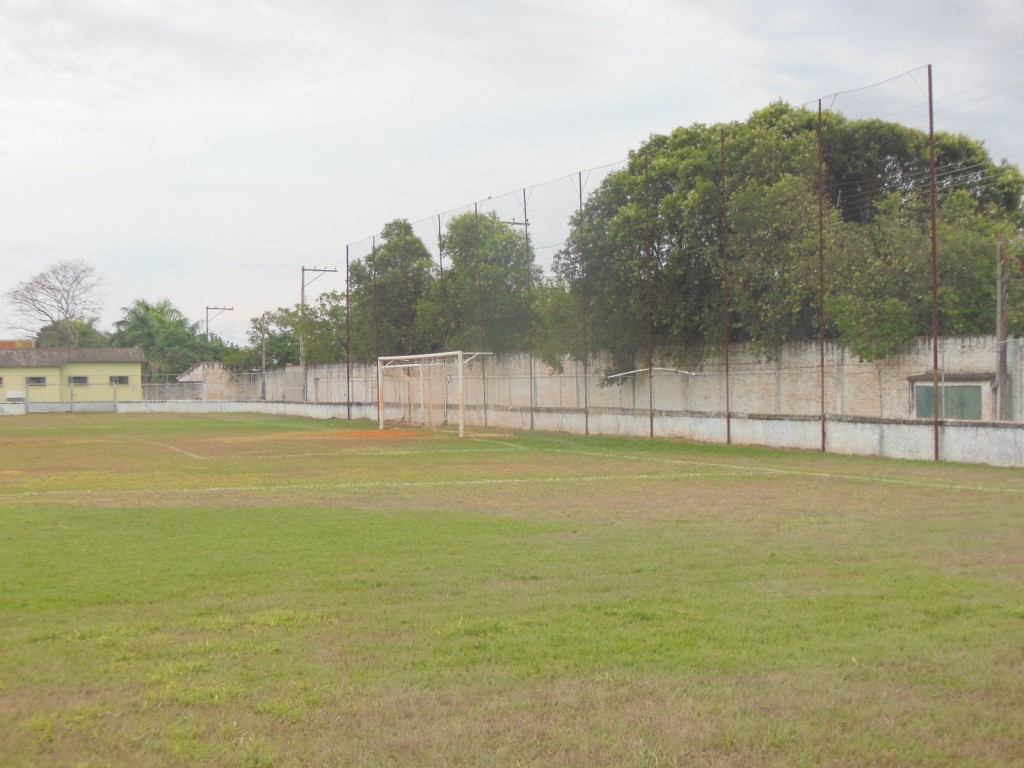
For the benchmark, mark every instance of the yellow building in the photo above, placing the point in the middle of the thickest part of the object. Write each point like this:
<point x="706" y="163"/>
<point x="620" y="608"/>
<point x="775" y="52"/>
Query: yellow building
<point x="60" y="379"/>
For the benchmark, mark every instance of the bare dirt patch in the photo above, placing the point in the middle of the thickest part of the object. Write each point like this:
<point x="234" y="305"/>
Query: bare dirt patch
<point x="370" y="434"/>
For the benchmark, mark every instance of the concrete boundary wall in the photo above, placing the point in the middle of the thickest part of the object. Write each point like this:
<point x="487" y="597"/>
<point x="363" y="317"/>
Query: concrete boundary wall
<point x="209" y="407"/>
<point x="998" y="444"/>
<point x="789" y="385"/>
<point x="870" y="408"/>
<point x="67" y="406"/>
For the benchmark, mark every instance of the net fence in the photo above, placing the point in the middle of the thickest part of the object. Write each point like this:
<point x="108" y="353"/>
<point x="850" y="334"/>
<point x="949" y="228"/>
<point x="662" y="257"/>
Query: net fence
<point x="837" y="258"/>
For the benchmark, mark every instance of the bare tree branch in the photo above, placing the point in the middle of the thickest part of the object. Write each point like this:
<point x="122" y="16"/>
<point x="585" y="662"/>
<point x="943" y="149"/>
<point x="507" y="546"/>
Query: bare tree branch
<point x="68" y="290"/>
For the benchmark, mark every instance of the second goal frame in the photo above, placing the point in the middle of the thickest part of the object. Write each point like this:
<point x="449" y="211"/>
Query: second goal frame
<point x="417" y="395"/>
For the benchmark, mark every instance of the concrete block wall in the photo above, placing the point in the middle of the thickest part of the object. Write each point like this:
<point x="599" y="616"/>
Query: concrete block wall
<point x="869" y="406"/>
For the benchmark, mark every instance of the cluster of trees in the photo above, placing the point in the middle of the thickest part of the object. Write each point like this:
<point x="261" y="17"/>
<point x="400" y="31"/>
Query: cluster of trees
<point x="651" y="250"/>
<point x="400" y="301"/>
<point x="59" y="307"/>
<point x="706" y="228"/>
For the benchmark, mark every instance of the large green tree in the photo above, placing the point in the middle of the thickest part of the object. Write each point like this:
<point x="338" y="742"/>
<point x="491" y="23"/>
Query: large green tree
<point x="71" y="333"/>
<point x="867" y="161"/>
<point x="645" y="260"/>
<point x="390" y="292"/>
<point x="323" y="325"/>
<point x="278" y="334"/>
<point x="489" y="284"/>
<point x="880" y="297"/>
<point x="647" y="252"/>
<point x="273" y="335"/>
<point x="774" y="248"/>
<point x="771" y="168"/>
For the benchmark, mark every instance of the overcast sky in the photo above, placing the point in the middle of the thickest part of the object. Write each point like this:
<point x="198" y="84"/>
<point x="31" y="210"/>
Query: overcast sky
<point x="204" y="151"/>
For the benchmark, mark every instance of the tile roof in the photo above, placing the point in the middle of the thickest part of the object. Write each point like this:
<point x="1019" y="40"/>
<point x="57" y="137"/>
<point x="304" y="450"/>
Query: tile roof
<point x="54" y="358"/>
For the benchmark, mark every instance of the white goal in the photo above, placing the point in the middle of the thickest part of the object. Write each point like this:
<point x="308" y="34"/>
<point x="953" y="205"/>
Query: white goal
<point x="423" y="390"/>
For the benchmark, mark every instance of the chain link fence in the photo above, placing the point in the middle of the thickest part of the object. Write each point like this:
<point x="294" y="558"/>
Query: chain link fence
<point x="826" y="261"/>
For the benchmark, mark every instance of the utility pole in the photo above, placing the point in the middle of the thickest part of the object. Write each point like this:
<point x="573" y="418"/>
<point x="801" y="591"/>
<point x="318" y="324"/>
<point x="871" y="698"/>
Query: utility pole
<point x="219" y="310"/>
<point x="649" y="252"/>
<point x="348" y="336"/>
<point x="586" y="310"/>
<point x="319" y="271"/>
<point x="263" y="357"/>
<point x="302" y="308"/>
<point x="933" y="197"/>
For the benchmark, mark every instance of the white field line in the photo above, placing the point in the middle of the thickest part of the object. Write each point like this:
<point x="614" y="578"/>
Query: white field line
<point x="371" y="485"/>
<point x="381" y="452"/>
<point x="748" y="469"/>
<point x="320" y="454"/>
<point x="171" y="448"/>
<point x="725" y="470"/>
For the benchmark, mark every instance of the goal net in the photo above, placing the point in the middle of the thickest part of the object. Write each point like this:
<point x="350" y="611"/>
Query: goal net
<point x="423" y="390"/>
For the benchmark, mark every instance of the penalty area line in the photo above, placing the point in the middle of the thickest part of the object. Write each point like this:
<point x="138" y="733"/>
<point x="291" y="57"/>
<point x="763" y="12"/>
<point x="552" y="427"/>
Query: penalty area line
<point x="377" y="485"/>
<point x="383" y="452"/>
<point x="182" y="451"/>
<point x="744" y="469"/>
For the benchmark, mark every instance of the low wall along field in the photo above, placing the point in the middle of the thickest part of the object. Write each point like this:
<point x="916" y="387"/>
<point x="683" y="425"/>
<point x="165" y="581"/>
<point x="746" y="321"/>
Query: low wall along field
<point x="870" y="408"/>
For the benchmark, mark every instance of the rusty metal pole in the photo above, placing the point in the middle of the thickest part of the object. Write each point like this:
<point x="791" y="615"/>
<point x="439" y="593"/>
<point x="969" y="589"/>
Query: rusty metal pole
<point x="935" y="264"/>
<point x="348" y="336"/>
<point x="583" y="286"/>
<point x="302" y="317"/>
<point x="649" y="248"/>
<point x="376" y="298"/>
<point x="821" y="267"/>
<point x="1002" y="337"/>
<point x="529" y="307"/>
<point x="409" y="314"/>
<point x="440" y="273"/>
<point x="479" y="284"/>
<point x="725" y="288"/>
<point x="480" y="301"/>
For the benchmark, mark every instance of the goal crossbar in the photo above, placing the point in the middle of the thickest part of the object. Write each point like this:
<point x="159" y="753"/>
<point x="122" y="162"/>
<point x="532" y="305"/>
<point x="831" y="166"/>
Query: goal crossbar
<point x="426" y="395"/>
<point x="436" y="358"/>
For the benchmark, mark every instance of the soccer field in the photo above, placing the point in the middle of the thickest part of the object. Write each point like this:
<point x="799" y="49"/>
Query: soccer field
<point x="245" y="590"/>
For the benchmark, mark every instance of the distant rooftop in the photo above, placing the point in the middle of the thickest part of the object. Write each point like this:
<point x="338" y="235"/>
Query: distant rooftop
<point x="54" y="358"/>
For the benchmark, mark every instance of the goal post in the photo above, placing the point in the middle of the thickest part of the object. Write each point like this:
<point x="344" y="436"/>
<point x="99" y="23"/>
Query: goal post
<point x="423" y="390"/>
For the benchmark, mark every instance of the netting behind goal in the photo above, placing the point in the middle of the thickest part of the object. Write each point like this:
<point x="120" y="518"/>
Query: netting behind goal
<point x="423" y="390"/>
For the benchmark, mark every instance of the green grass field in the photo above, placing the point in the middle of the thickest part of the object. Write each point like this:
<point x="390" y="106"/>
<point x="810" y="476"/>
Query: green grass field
<point x="254" y="591"/>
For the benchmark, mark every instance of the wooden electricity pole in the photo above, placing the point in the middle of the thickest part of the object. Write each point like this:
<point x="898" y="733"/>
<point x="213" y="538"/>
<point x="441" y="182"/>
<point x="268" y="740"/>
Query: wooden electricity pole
<point x="219" y="310"/>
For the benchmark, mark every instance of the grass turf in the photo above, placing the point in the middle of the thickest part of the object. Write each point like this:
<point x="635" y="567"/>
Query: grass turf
<point x="254" y="591"/>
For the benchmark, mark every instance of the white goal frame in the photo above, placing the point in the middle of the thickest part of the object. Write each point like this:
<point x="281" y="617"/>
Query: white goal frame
<point x="418" y="398"/>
